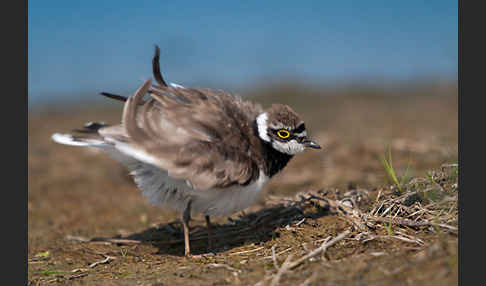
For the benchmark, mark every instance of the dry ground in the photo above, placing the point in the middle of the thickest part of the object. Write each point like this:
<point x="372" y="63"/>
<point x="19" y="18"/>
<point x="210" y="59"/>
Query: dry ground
<point x="79" y="201"/>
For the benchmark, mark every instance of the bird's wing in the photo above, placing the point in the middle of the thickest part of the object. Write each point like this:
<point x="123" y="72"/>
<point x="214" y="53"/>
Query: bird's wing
<point x="199" y="135"/>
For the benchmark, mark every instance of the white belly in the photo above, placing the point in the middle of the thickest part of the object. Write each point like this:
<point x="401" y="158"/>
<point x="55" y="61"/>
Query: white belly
<point x="160" y="189"/>
<point x="218" y="202"/>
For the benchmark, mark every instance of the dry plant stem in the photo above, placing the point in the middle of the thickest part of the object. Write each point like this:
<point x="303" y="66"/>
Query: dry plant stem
<point x="300" y="222"/>
<point x="106" y="260"/>
<point x="309" y="280"/>
<point x="408" y="222"/>
<point x="77" y="276"/>
<point x="274" y="257"/>
<point x="378" y="196"/>
<point x="325" y="239"/>
<point x="246" y="251"/>
<point x="288" y="265"/>
<point x="402" y="238"/>
<point x="217" y="265"/>
<point x="285" y="267"/>
<point x="281" y="252"/>
<point x="320" y="250"/>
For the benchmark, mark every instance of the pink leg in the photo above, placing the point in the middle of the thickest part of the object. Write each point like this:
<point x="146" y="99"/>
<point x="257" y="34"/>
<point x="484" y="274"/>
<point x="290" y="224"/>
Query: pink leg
<point x="186" y="216"/>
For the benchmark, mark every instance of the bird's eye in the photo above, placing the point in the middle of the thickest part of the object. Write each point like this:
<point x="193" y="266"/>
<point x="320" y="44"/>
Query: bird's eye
<point x="283" y="134"/>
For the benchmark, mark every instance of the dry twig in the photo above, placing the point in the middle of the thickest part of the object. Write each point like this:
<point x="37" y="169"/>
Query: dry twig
<point x="284" y="268"/>
<point x="247" y="251"/>
<point x="320" y="249"/>
<point x="309" y="280"/>
<point x="274" y="257"/>
<point x="108" y="259"/>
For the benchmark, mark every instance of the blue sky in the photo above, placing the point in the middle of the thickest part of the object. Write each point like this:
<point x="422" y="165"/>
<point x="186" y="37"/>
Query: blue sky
<point x="77" y="47"/>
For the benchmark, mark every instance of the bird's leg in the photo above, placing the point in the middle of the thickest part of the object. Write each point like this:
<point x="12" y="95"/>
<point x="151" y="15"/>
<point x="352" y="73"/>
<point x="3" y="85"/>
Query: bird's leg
<point x="210" y="241"/>
<point x="186" y="216"/>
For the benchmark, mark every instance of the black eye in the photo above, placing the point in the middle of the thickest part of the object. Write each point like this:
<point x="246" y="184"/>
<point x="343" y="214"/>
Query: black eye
<point x="283" y="134"/>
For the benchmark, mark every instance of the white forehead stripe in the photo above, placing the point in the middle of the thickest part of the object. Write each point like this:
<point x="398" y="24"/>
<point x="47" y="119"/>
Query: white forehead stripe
<point x="263" y="127"/>
<point x="278" y="126"/>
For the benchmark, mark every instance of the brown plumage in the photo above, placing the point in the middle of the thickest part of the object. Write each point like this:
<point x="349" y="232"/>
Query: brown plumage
<point x="178" y="126"/>
<point x="280" y="113"/>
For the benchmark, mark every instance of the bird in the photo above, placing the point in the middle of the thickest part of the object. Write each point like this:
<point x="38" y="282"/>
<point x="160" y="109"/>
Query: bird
<point x="196" y="150"/>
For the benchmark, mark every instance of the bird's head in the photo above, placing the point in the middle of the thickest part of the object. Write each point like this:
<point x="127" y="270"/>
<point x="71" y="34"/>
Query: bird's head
<point x="283" y="129"/>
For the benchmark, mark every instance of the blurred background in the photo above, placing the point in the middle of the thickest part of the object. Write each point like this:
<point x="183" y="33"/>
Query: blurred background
<point x="77" y="49"/>
<point x="366" y="76"/>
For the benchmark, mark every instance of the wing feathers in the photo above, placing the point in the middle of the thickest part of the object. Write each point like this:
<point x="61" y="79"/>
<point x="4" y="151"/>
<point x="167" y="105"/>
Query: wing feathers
<point x="130" y="112"/>
<point x="197" y="135"/>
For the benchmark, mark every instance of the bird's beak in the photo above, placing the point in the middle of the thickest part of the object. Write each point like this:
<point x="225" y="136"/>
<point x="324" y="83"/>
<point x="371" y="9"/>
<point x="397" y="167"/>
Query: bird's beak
<point x="311" y="144"/>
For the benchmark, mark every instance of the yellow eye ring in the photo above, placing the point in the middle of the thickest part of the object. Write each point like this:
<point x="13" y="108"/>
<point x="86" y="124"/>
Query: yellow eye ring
<point x="283" y="134"/>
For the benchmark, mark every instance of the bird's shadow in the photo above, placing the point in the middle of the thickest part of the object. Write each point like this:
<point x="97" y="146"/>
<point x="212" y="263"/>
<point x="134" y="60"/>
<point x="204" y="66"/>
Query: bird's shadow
<point x="255" y="227"/>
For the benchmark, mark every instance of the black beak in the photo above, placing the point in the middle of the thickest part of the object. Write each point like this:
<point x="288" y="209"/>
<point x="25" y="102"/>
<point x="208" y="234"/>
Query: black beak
<point x="311" y="144"/>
